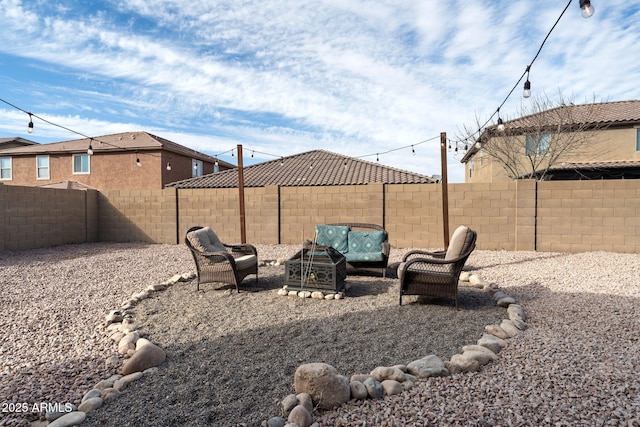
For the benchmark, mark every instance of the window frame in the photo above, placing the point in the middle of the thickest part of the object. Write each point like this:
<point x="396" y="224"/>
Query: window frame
<point x="533" y="147"/>
<point x="196" y="168"/>
<point x="10" y="168"/>
<point x="73" y="164"/>
<point x="638" y="139"/>
<point x="43" y="168"/>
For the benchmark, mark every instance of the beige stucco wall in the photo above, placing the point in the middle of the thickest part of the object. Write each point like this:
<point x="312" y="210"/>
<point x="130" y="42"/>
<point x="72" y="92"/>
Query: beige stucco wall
<point x="611" y="144"/>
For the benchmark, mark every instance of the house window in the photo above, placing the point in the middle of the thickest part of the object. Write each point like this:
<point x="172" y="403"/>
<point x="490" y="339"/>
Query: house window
<point x="638" y="139"/>
<point x="470" y="167"/>
<point x="197" y="168"/>
<point x="6" y="173"/>
<point x="42" y="167"/>
<point x="537" y="144"/>
<point x="80" y="164"/>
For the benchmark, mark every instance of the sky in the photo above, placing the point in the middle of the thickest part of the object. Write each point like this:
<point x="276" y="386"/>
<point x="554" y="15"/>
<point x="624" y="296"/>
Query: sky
<point x="378" y="80"/>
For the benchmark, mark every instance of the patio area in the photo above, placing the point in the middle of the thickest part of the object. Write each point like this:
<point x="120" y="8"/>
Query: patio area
<point x="227" y="365"/>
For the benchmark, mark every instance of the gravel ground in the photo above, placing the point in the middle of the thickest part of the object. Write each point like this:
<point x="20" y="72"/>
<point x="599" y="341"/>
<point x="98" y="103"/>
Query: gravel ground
<point x="231" y="357"/>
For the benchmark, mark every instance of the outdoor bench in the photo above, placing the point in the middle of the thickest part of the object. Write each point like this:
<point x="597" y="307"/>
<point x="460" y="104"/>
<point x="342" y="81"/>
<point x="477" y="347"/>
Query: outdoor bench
<point x="364" y="246"/>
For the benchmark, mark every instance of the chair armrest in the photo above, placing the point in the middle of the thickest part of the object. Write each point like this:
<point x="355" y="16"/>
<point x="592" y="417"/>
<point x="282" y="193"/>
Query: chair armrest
<point x="220" y="256"/>
<point x="420" y="253"/>
<point x="243" y="248"/>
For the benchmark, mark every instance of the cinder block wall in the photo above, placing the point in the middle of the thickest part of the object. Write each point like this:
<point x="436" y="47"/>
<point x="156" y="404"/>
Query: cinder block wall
<point x="569" y="216"/>
<point x="304" y="207"/>
<point x="589" y="216"/>
<point x="36" y="217"/>
<point x="220" y="209"/>
<point x="138" y="215"/>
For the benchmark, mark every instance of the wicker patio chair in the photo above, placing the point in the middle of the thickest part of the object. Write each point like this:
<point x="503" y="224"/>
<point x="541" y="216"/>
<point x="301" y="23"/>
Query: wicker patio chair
<point x="436" y="274"/>
<point x="215" y="263"/>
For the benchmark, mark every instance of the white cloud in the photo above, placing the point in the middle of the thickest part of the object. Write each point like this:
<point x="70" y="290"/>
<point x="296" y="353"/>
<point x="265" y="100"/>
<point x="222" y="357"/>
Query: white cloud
<point x="352" y="76"/>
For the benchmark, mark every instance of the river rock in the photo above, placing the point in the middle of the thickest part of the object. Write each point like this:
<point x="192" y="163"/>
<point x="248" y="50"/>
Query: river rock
<point x="323" y="383"/>
<point x="374" y="388"/>
<point x="509" y="328"/>
<point x="305" y="400"/>
<point x="109" y="394"/>
<point x="358" y="390"/>
<point x="429" y="366"/>
<point x="94" y="392"/>
<point x="276" y="422"/>
<point x="392" y="387"/>
<point x="502" y="343"/>
<point x="90" y="404"/>
<point x="300" y="416"/>
<point x="146" y="356"/>
<point x="459" y="363"/>
<point x="288" y="403"/>
<point x="70" y="419"/>
<point x="505" y="302"/>
<point x="490" y="344"/>
<point x="497" y="331"/>
<point x="124" y="382"/>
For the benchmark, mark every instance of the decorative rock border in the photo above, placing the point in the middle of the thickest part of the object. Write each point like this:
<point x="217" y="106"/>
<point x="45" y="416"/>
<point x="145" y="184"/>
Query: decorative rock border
<point x="313" y="382"/>
<point x="321" y="384"/>
<point x="139" y="357"/>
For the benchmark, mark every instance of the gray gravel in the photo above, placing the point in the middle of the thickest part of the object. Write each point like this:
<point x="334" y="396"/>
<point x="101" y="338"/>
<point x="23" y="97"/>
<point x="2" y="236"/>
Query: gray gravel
<point x="231" y="356"/>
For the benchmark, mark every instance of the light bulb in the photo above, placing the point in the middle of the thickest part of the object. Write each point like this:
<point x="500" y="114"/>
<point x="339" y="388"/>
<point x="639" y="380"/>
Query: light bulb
<point x="90" y="150"/>
<point x="587" y="9"/>
<point x="30" y="128"/>
<point x="500" y="124"/>
<point x="168" y="166"/>
<point x="527" y="89"/>
<point x="138" y="162"/>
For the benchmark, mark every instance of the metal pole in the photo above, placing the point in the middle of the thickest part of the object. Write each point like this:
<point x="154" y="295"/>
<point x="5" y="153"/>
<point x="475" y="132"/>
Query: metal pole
<point x="243" y="225"/>
<point x="445" y="188"/>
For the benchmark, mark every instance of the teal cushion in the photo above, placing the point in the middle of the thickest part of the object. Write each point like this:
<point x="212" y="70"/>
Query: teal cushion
<point x="334" y="236"/>
<point x="366" y="241"/>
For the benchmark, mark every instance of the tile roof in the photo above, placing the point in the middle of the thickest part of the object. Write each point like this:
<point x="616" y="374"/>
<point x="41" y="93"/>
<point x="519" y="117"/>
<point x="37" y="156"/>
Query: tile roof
<point x="312" y="168"/>
<point x="126" y="141"/>
<point x="597" y="165"/>
<point x="14" y="142"/>
<point x="604" y="113"/>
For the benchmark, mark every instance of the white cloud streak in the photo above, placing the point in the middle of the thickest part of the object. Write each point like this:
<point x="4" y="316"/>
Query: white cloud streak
<point x="352" y="76"/>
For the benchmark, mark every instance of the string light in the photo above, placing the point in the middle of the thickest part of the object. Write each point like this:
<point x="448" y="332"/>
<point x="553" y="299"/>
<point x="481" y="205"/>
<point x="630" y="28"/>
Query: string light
<point x="587" y="9"/>
<point x="90" y="149"/>
<point x="138" y="162"/>
<point x="500" y="122"/>
<point x="168" y="166"/>
<point x="30" y="126"/>
<point x="413" y="150"/>
<point x="527" y="85"/>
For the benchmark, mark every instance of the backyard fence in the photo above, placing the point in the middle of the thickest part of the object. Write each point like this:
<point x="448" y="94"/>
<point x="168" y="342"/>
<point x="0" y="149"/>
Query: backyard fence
<point x="557" y="216"/>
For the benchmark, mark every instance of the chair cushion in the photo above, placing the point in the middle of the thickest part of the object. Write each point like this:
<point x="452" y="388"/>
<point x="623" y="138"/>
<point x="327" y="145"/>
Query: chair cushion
<point x="460" y="241"/>
<point x="200" y="241"/>
<point x="246" y="261"/>
<point x="366" y="241"/>
<point x="334" y="236"/>
<point x="214" y="240"/>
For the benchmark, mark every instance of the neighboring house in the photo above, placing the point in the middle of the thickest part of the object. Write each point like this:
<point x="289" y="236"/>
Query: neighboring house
<point x="129" y="160"/>
<point x="312" y="168"/>
<point x="612" y="151"/>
